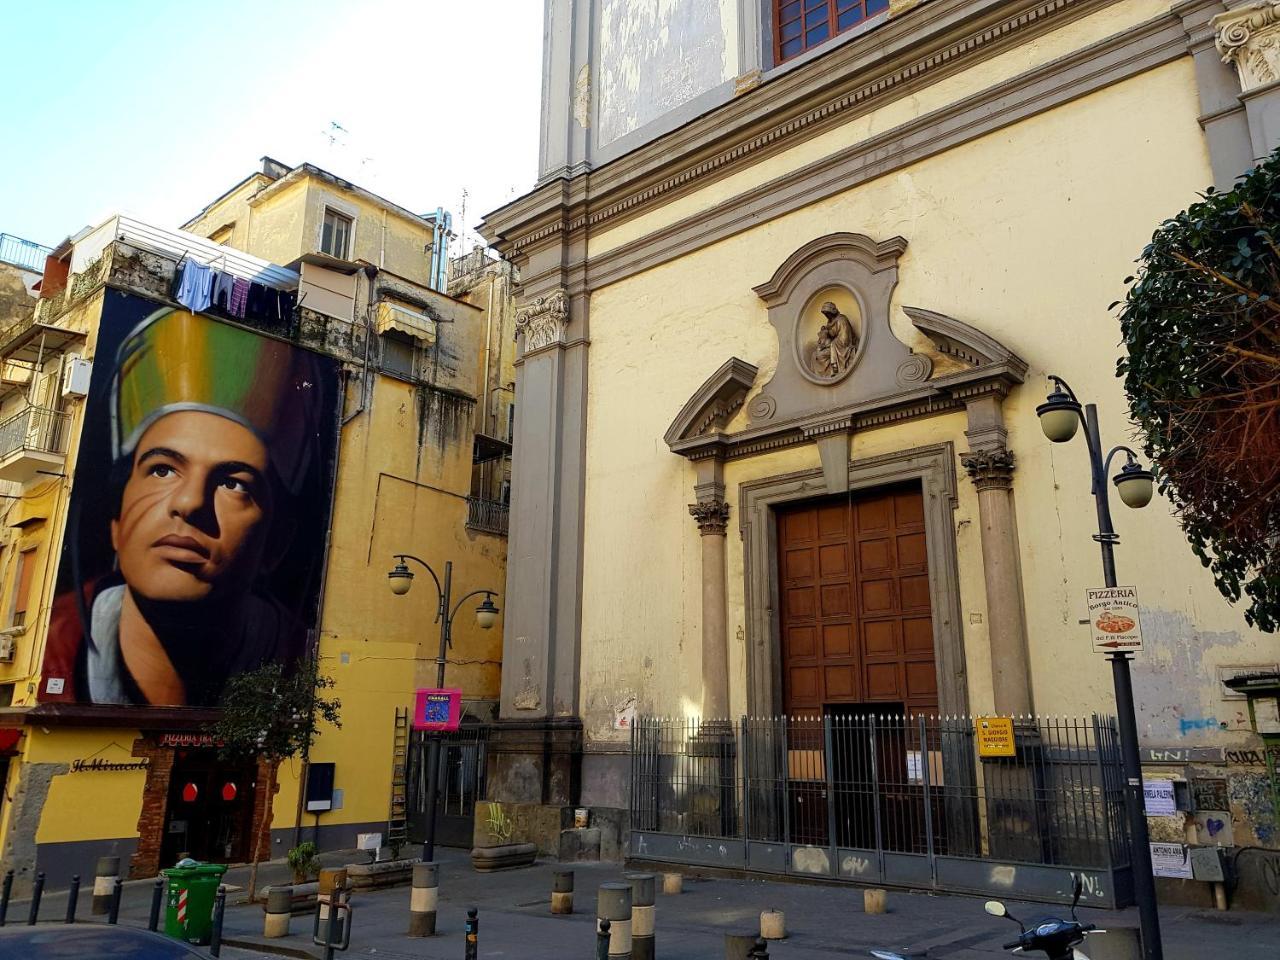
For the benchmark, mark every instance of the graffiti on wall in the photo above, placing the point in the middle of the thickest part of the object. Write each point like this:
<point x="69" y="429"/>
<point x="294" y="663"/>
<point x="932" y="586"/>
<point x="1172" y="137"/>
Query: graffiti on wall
<point x="194" y="542"/>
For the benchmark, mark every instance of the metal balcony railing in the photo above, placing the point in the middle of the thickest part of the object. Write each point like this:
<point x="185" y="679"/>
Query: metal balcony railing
<point x="491" y="516"/>
<point x="35" y="428"/>
<point x="23" y="253"/>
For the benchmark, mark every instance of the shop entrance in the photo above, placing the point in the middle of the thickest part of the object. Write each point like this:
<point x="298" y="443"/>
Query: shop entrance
<point x="209" y="809"/>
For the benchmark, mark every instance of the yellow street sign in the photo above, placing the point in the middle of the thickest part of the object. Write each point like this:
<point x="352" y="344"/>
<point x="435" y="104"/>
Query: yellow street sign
<point x="995" y="737"/>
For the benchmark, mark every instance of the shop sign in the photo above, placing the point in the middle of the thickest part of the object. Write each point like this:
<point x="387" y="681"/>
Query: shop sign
<point x="98" y="765"/>
<point x="437" y="710"/>
<point x="995" y="737"/>
<point x="1113" y="619"/>
<point x="187" y="739"/>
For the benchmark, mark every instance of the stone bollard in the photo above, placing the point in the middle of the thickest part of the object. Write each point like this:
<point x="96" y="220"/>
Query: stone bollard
<point x="562" y="892"/>
<point x="738" y="946"/>
<point x="614" y="905"/>
<point x="873" y="901"/>
<point x="672" y="883"/>
<point x="644" y="888"/>
<point x="104" y="883"/>
<point x="773" y="925"/>
<point x="279" y="912"/>
<point x="423" y="899"/>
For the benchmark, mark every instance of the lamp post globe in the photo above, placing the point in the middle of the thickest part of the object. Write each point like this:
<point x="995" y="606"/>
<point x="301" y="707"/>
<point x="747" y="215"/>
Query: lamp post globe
<point x="1059" y="415"/>
<point x="400" y="579"/>
<point x="1135" y="484"/>
<point x="486" y="614"/>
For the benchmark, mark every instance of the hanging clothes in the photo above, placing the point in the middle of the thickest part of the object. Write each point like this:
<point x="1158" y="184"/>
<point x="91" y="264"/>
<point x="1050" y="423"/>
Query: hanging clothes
<point x="239" y="295"/>
<point x="223" y="284"/>
<point x="256" y="304"/>
<point x="288" y="303"/>
<point x="195" y="286"/>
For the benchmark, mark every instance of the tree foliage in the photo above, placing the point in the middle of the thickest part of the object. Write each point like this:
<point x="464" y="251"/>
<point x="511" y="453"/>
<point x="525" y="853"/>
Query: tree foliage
<point x="1201" y="325"/>
<point x="274" y="713"/>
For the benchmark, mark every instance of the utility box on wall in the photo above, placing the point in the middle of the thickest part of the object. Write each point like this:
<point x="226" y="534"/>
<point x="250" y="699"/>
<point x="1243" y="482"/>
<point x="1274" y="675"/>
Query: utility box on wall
<point x="75" y="377"/>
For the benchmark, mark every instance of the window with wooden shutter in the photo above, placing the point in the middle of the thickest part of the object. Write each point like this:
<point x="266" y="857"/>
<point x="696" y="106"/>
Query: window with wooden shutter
<point x="22" y="595"/>
<point x="800" y="25"/>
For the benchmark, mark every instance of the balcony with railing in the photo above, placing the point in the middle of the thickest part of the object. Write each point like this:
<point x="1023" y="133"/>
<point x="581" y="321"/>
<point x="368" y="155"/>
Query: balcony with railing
<point x="33" y="441"/>
<point x="487" y="516"/>
<point x="28" y="255"/>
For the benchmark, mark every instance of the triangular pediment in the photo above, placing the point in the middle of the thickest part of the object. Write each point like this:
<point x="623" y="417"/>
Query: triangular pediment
<point x="714" y="403"/>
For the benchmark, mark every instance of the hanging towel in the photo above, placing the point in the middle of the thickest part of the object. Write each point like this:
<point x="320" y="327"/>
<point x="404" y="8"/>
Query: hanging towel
<point x="239" y="294"/>
<point x="195" y="290"/>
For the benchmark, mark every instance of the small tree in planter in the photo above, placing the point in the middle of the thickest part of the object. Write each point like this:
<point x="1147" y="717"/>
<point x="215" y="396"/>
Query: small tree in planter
<point x="501" y="853"/>
<point x="303" y="861"/>
<point x="273" y="714"/>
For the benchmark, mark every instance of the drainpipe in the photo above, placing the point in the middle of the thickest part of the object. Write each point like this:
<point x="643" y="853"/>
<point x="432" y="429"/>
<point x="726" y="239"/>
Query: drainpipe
<point x="370" y="272"/>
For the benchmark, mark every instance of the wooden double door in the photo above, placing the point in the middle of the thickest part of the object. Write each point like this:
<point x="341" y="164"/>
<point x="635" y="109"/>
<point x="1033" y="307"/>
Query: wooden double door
<point x="857" y="627"/>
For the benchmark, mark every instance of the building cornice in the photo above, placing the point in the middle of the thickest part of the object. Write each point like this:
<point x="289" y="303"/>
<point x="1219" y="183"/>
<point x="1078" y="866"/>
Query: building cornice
<point x="909" y="52"/>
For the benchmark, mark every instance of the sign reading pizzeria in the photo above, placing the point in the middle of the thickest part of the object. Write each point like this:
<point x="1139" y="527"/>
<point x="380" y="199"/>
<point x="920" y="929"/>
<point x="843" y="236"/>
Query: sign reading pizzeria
<point x="1113" y="618"/>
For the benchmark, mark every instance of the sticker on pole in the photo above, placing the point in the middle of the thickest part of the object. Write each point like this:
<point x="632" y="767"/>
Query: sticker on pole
<point x="1113" y="618"/>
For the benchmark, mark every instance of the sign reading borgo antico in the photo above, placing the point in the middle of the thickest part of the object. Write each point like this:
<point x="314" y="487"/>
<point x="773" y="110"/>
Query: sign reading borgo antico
<point x="1113" y="619"/>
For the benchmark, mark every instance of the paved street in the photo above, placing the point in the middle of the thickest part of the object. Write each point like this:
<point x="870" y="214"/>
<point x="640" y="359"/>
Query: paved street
<point x="823" y="921"/>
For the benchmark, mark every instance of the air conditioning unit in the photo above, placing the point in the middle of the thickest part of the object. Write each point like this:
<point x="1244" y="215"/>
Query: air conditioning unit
<point x="75" y="376"/>
<point x="8" y="645"/>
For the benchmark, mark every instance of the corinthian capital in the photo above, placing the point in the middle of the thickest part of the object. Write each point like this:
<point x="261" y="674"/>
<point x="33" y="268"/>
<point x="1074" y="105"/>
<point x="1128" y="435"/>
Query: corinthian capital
<point x="1249" y="38"/>
<point x="543" y="320"/>
<point x="990" y="469"/>
<point x="712" y="516"/>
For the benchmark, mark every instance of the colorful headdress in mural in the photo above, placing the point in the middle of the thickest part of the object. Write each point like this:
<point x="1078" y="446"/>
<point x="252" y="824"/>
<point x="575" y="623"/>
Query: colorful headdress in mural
<point x="176" y="360"/>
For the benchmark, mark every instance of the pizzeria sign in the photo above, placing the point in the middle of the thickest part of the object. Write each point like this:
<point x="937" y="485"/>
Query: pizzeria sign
<point x="1113" y="619"/>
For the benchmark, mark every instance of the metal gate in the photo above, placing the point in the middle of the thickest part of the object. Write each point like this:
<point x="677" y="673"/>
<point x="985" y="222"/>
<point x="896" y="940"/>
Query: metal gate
<point x="887" y="799"/>
<point x="463" y="754"/>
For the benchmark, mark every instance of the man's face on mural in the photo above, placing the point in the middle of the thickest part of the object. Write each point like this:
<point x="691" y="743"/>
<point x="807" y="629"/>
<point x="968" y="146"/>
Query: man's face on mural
<point x="194" y="513"/>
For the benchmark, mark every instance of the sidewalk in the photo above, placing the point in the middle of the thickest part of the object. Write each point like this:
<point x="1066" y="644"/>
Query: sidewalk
<point x="824" y="922"/>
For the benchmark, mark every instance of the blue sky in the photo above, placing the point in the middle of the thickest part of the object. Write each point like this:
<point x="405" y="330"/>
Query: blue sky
<point x="156" y="108"/>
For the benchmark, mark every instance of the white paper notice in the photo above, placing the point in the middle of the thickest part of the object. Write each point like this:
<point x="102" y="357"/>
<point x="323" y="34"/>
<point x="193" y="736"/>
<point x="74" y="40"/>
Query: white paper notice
<point x="1170" y="860"/>
<point x="1157" y="796"/>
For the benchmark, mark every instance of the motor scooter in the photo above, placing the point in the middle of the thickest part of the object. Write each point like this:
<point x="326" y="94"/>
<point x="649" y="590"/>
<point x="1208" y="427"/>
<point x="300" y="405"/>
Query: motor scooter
<point x="1054" y="937"/>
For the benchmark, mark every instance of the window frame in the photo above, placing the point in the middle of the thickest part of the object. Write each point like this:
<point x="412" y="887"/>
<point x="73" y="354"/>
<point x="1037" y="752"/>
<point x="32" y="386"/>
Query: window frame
<point x="349" y="238"/>
<point x="834" y="31"/>
<point x="23" y="576"/>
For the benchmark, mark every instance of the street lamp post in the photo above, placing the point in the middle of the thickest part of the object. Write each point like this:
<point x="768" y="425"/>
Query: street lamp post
<point x="400" y="580"/>
<point x="1060" y="416"/>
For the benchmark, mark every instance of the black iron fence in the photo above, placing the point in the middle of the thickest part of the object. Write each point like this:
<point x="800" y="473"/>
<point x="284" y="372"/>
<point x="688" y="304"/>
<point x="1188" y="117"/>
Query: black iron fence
<point x="463" y="754"/>
<point x="886" y="797"/>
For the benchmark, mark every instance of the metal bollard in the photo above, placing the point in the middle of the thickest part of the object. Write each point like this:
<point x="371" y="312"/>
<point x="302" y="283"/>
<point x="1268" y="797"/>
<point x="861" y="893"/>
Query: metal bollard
<point x="562" y="892"/>
<point x="332" y="917"/>
<point x="113" y="914"/>
<point x="602" y="940"/>
<point x="424" y="897"/>
<point x="157" y="898"/>
<point x="219" y="911"/>
<point x="614" y="904"/>
<point x="104" y="881"/>
<point x="472" y="936"/>
<point x="279" y="912"/>
<point x="73" y="897"/>
<point x="760" y="951"/>
<point x="644" y="889"/>
<point x="4" y="896"/>
<point x="36" y="893"/>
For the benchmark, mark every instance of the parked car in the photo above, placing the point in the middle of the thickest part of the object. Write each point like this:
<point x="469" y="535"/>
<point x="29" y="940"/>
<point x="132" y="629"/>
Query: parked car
<point x="91" y="941"/>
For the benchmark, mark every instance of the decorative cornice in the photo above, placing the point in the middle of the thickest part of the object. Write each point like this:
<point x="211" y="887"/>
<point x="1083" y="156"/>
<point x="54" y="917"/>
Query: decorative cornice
<point x="990" y="469"/>
<point x="712" y="516"/>
<point x="1249" y="38"/>
<point x="544" y="320"/>
<point x="714" y="403"/>
<point x="950" y="51"/>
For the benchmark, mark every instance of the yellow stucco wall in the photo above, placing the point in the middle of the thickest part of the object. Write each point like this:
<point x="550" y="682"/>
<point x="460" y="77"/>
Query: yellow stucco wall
<point x="1027" y="235"/>
<point x="88" y="805"/>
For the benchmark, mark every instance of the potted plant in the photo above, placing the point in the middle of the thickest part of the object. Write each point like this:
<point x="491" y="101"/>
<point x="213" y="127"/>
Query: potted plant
<point x="501" y="852"/>
<point x="304" y="862"/>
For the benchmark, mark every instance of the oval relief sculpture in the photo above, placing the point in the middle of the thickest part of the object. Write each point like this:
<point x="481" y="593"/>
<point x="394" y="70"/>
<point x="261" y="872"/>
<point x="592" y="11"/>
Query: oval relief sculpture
<point x="829" y="337"/>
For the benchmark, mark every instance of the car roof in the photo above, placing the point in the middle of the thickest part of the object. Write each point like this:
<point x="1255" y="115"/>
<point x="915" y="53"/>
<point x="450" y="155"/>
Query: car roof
<point x="97" y="940"/>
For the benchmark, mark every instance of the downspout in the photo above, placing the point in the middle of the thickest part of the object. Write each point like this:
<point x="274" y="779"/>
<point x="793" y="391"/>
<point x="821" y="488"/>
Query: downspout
<point x="382" y="250"/>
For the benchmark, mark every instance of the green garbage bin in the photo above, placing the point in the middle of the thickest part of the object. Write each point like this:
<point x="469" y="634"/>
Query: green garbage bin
<point x="189" y="907"/>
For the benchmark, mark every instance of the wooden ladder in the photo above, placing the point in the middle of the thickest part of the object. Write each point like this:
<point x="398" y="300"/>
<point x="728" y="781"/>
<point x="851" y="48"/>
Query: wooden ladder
<point x="397" y="814"/>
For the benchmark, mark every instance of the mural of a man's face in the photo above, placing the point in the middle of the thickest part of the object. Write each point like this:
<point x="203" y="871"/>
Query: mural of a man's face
<point x="195" y="510"/>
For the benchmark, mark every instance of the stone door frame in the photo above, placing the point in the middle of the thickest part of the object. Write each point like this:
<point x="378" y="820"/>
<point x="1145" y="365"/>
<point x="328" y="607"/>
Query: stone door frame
<point x="934" y="467"/>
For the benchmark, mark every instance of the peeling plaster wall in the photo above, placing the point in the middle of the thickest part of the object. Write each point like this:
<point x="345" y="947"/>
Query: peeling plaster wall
<point x="656" y="55"/>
